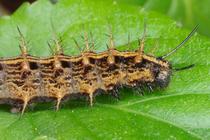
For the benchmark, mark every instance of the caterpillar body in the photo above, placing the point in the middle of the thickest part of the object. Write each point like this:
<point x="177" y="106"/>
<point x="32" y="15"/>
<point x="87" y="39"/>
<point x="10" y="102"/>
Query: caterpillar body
<point x="26" y="79"/>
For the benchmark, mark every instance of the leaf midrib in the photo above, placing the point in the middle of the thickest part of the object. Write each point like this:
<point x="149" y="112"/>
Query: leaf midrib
<point x="159" y="97"/>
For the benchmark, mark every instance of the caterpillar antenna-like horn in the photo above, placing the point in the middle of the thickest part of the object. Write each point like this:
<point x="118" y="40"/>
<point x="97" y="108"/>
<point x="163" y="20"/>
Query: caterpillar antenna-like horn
<point x="184" y="68"/>
<point x="181" y="44"/>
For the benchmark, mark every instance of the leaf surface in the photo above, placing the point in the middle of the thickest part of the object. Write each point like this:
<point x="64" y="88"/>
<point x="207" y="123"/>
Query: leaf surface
<point x="179" y="112"/>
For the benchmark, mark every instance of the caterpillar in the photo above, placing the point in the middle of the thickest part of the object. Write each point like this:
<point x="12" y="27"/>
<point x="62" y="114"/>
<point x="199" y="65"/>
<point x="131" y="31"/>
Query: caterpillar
<point x="27" y="79"/>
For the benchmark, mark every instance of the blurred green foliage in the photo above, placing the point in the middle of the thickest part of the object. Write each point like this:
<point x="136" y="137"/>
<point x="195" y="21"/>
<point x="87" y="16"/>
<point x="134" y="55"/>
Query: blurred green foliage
<point x="188" y="13"/>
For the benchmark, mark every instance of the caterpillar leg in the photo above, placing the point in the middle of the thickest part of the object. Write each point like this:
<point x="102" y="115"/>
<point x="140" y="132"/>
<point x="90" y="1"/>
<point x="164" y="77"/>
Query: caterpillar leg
<point x="58" y="104"/>
<point x="115" y="93"/>
<point x="91" y="99"/>
<point x="24" y="107"/>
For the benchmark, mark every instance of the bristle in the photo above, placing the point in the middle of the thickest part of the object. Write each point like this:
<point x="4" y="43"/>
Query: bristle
<point x="92" y="42"/>
<point x="129" y="42"/>
<point x="142" y="41"/>
<point x="77" y="45"/>
<point x="59" y="48"/>
<point x="140" y="51"/>
<point x="111" y="41"/>
<point x="23" y="44"/>
<point x="87" y="47"/>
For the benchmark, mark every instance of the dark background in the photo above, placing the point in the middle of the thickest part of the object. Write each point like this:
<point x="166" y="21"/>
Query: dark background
<point x="9" y="6"/>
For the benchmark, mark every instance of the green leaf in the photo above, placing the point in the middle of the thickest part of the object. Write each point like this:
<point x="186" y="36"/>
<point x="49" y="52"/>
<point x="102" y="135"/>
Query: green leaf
<point x="179" y="112"/>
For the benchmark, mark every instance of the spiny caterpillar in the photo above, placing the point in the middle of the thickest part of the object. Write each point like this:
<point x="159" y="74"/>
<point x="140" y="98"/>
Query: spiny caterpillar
<point x="28" y="79"/>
